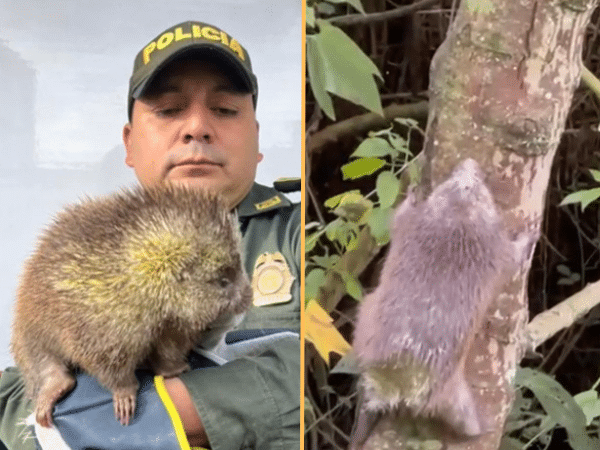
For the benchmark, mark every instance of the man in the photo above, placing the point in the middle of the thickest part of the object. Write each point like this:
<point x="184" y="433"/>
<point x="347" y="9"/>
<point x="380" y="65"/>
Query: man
<point x="191" y="106"/>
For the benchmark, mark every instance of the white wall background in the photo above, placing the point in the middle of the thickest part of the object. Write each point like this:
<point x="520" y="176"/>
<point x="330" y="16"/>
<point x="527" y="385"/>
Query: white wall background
<point x="64" y="72"/>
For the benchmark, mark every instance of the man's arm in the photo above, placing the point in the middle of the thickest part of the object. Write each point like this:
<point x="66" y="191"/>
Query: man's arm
<point x="271" y="378"/>
<point x="14" y="408"/>
<point x="190" y="419"/>
<point x="252" y="401"/>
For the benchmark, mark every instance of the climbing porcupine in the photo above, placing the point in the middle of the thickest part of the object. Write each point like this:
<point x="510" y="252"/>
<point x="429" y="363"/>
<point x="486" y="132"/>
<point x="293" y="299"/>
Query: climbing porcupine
<point x="448" y="259"/>
<point x="120" y="281"/>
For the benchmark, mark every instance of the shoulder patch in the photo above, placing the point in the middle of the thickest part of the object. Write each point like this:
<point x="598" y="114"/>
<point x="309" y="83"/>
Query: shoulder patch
<point x="289" y="184"/>
<point x="275" y="200"/>
<point x="272" y="280"/>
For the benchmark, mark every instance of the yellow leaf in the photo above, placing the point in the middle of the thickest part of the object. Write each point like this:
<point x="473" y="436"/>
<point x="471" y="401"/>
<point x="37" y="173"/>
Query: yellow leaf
<point x="321" y="332"/>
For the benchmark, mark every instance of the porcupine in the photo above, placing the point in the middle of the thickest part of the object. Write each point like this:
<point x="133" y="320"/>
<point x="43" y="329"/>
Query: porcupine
<point x="448" y="258"/>
<point x="121" y="281"/>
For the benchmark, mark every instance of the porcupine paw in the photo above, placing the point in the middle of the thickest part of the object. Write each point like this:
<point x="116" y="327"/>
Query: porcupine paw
<point x="43" y="412"/>
<point x="54" y="388"/>
<point x="124" y="404"/>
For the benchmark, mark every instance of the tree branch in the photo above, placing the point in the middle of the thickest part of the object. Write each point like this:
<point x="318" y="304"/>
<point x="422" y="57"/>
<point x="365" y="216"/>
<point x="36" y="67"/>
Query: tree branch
<point x="359" y="125"/>
<point x="590" y="81"/>
<point x="353" y="19"/>
<point x="548" y="323"/>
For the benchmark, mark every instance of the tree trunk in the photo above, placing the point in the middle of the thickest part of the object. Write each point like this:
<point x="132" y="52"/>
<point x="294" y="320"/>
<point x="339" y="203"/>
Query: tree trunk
<point x="501" y="88"/>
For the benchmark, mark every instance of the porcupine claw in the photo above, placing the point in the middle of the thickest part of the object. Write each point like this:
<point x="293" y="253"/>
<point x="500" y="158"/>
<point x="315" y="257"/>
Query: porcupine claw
<point x="124" y="404"/>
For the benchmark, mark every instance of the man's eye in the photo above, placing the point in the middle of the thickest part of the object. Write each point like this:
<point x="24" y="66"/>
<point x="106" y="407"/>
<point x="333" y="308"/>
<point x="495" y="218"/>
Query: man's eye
<point x="225" y="111"/>
<point x="167" y="112"/>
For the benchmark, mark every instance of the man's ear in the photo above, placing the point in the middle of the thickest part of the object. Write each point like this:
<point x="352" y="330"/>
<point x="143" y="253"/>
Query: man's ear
<point x="259" y="156"/>
<point x="127" y="143"/>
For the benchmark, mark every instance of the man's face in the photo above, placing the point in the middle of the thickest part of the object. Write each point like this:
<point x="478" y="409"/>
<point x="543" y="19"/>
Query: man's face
<point x="193" y="127"/>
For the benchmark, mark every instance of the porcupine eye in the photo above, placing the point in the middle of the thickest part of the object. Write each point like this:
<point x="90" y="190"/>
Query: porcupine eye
<point x="226" y="277"/>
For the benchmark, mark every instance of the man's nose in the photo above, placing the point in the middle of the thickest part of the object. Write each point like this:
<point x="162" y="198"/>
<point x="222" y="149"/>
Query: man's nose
<point x="197" y="126"/>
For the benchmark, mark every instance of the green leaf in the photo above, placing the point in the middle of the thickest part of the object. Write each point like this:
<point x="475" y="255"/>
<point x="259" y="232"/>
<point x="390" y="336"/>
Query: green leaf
<point x="399" y="143"/>
<point x="595" y="174"/>
<point x="353" y="241"/>
<point x="312" y="240"/>
<point x="563" y="270"/>
<point x="353" y="196"/>
<point x="314" y="279"/>
<point x="334" y="201"/>
<point x="374" y="147"/>
<point x="343" y="68"/>
<point x="341" y="231"/>
<point x="559" y="405"/>
<point x="581" y="441"/>
<point x="353" y="287"/>
<point x="347" y="233"/>
<point x="379" y="224"/>
<point x="584" y="197"/>
<point x="317" y="74"/>
<point x="361" y="167"/>
<point x="325" y="262"/>
<point x="388" y="187"/>
<point x="590" y="404"/>
<point x="355" y="3"/>
<point x="310" y="16"/>
<point x="331" y="229"/>
<point x="354" y="209"/>
<point x="571" y="280"/>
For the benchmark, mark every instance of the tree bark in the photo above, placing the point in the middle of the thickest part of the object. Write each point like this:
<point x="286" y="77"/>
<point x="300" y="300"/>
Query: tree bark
<point x="501" y="88"/>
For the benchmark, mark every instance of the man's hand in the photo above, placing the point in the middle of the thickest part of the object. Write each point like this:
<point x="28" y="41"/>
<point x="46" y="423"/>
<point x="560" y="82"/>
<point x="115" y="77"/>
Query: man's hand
<point x="192" y="424"/>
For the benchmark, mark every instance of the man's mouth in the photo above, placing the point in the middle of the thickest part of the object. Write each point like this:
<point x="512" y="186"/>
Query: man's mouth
<point x="195" y="165"/>
<point x="194" y="160"/>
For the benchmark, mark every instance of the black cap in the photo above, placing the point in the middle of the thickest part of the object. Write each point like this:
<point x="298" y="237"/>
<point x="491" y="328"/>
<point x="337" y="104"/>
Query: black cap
<point x="184" y="38"/>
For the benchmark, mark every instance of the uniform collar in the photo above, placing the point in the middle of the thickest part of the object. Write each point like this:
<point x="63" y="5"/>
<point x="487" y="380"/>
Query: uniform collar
<point x="261" y="199"/>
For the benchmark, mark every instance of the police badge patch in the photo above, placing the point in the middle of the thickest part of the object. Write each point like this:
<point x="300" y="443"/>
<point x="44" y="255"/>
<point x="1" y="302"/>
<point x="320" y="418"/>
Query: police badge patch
<point x="272" y="280"/>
